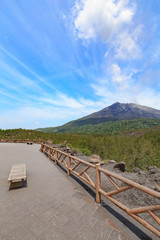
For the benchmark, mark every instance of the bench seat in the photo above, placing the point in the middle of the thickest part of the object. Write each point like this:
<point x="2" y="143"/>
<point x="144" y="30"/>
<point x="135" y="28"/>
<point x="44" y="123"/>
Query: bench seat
<point x="17" y="173"/>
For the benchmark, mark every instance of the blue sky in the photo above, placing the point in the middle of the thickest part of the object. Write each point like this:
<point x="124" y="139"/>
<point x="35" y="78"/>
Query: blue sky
<point x="63" y="59"/>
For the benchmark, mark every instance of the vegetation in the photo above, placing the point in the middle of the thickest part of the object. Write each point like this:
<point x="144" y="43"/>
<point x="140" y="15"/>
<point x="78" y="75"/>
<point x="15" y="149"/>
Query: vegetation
<point x="137" y="148"/>
<point x="105" y="127"/>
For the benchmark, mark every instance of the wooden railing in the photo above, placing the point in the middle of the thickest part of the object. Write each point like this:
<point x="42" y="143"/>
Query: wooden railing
<point x="20" y="140"/>
<point x="73" y="164"/>
<point x="81" y="168"/>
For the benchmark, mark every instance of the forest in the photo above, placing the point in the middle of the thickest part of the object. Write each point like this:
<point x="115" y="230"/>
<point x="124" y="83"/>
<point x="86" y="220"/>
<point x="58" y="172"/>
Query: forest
<point x="137" y="148"/>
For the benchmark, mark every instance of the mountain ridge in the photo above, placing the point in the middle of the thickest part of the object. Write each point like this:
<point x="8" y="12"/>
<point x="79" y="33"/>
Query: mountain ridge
<point x="123" y="111"/>
<point x="116" y="112"/>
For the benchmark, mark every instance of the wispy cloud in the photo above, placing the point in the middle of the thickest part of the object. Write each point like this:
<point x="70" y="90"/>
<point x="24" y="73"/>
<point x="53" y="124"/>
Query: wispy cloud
<point x="19" y="80"/>
<point x="63" y="100"/>
<point x="127" y="91"/>
<point x="30" y="117"/>
<point x="26" y="67"/>
<point x="126" y="44"/>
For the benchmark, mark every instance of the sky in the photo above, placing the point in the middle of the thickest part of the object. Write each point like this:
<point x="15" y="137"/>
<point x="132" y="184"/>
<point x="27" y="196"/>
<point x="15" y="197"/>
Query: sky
<point x="64" y="59"/>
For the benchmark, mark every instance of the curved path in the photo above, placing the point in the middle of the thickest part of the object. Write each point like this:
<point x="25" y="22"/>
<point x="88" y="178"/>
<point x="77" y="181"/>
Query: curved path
<point x="51" y="206"/>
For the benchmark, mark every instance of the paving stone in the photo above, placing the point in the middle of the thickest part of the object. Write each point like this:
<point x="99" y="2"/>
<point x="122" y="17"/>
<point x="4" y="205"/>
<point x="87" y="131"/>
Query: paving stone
<point x="39" y="208"/>
<point x="8" y="200"/>
<point x="61" y="236"/>
<point x="54" y="203"/>
<point x="47" y="214"/>
<point x="4" y="216"/>
<point x="48" y="235"/>
<point x="88" y="208"/>
<point x="8" y="226"/>
<point x="85" y="234"/>
<point x="17" y="234"/>
<point x="77" y="203"/>
<point x="46" y="198"/>
<point x="28" y="220"/>
<point x="37" y="193"/>
<point x="99" y="215"/>
<point x="74" y="214"/>
<point x="29" y="202"/>
<point x="85" y="220"/>
<point x="78" y="195"/>
<point x="58" y="220"/>
<point x="38" y="228"/>
<point x="71" y="228"/>
<point x="18" y="211"/>
<point x="63" y="208"/>
<point x="115" y="235"/>
<point x="103" y="230"/>
<point x="101" y="238"/>
<point x="30" y="237"/>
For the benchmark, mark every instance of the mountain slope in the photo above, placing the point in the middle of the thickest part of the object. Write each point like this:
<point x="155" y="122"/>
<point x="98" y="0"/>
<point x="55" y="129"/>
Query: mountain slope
<point x="117" y="116"/>
<point x="117" y="112"/>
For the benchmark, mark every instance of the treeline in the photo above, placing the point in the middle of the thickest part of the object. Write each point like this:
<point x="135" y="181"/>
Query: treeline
<point x="105" y="127"/>
<point x="137" y="148"/>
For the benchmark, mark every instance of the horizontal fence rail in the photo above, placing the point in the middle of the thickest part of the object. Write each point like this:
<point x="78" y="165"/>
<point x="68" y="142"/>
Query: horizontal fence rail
<point x="81" y="169"/>
<point x="20" y="141"/>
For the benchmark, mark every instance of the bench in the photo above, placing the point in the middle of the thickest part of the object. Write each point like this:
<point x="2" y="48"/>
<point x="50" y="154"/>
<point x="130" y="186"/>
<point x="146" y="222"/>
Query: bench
<point x="17" y="175"/>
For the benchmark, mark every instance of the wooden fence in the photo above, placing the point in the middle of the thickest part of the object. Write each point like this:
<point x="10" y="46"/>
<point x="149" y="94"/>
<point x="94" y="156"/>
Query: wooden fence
<point x="80" y="167"/>
<point x="20" y="140"/>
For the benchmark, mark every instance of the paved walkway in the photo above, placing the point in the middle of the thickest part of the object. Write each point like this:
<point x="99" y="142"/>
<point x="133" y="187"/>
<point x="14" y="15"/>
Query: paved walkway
<point x="51" y="206"/>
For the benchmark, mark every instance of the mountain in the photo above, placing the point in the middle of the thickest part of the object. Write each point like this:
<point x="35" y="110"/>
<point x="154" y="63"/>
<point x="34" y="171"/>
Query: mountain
<point x="118" y="115"/>
<point x="119" y="111"/>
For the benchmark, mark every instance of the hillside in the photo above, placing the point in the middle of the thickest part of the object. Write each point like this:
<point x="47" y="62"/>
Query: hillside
<point x="118" y="116"/>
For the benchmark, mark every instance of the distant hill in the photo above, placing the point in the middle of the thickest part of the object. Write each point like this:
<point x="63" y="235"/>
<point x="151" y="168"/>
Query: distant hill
<point x="118" y="116"/>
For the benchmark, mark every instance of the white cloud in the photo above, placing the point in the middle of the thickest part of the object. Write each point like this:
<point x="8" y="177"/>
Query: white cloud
<point x="112" y="22"/>
<point x="116" y="71"/>
<point x="118" y="77"/>
<point x="126" y="46"/>
<point x="37" y="122"/>
<point x="102" y="18"/>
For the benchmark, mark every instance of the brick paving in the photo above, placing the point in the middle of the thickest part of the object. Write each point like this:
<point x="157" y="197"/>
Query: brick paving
<point x="50" y="206"/>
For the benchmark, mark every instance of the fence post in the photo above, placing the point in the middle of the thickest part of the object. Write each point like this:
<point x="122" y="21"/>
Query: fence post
<point x="98" y="184"/>
<point x="49" y="153"/>
<point x="56" y="156"/>
<point x="44" y="150"/>
<point x="69" y="164"/>
<point x="41" y="150"/>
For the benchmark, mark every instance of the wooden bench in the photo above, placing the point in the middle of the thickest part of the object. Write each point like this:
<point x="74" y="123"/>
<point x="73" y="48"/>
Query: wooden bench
<point x="17" y="175"/>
